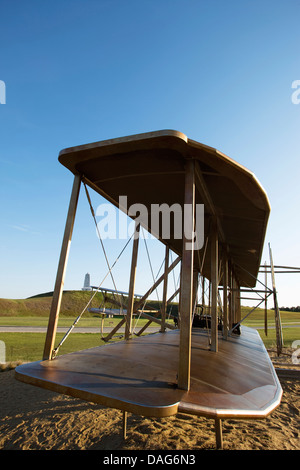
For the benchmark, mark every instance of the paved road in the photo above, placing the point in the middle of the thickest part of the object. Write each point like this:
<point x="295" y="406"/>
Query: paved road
<point x="78" y="329"/>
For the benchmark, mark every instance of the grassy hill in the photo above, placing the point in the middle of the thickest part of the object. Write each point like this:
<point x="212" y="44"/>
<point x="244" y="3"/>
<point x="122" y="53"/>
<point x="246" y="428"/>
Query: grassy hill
<point x="73" y="302"/>
<point x="39" y="305"/>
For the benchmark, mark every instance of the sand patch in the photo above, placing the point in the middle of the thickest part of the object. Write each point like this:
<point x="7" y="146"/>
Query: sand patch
<point x="37" y="419"/>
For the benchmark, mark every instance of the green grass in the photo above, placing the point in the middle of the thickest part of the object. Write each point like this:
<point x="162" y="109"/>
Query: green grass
<point x="28" y="347"/>
<point x="289" y="335"/>
<point x="64" y="321"/>
<point x="35" y="311"/>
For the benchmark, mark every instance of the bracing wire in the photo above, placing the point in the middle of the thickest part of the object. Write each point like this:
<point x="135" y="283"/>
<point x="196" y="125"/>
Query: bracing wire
<point x="55" y="351"/>
<point x="100" y="238"/>
<point x="153" y="277"/>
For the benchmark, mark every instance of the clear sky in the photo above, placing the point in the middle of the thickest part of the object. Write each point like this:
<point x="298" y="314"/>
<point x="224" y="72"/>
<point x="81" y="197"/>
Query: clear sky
<point x="82" y="71"/>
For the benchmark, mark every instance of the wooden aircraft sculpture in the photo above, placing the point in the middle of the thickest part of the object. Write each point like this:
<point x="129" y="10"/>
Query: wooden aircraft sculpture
<point x="229" y="376"/>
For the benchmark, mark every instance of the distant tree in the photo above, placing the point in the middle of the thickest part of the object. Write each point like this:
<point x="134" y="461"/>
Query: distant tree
<point x="289" y="309"/>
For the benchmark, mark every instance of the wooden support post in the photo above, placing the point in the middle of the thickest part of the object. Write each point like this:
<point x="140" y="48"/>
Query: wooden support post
<point x="187" y="279"/>
<point x="132" y="281"/>
<point x="225" y="296"/>
<point x="165" y="291"/>
<point x="179" y="298"/>
<point x="214" y="285"/>
<point x="203" y="291"/>
<point x="266" y="301"/>
<point x="157" y="320"/>
<point x="218" y="431"/>
<point x="229" y="295"/>
<point x="141" y="331"/>
<point x="238" y="315"/>
<point x="279" y="337"/>
<point x="124" y="425"/>
<point x="231" y="299"/>
<point x="195" y="290"/>
<point x="114" y="330"/>
<point x="61" y="270"/>
<point x="235" y="293"/>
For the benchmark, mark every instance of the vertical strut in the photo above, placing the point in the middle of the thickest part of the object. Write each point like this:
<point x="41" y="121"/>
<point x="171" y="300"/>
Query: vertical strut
<point x="214" y="285"/>
<point x="132" y="281"/>
<point x="165" y="291"/>
<point x="276" y="308"/>
<point x="187" y="279"/>
<point x="266" y="301"/>
<point x="225" y="296"/>
<point x="61" y="270"/>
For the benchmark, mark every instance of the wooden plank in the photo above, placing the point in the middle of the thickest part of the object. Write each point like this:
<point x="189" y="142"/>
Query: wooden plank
<point x="128" y="325"/>
<point x="225" y="295"/>
<point x="187" y="280"/>
<point x="214" y="284"/>
<point x="61" y="270"/>
<point x="139" y="376"/>
<point x="165" y="291"/>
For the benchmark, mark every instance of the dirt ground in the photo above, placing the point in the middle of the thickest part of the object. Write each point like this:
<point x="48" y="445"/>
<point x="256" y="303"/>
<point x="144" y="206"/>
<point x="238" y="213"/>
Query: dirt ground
<point x="35" y="419"/>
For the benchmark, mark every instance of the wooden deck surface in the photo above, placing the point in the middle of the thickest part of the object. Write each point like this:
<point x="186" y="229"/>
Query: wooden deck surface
<point x="140" y="376"/>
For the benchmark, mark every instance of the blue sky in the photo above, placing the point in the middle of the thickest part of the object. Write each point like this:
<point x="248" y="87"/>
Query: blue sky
<point x="82" y="71"/>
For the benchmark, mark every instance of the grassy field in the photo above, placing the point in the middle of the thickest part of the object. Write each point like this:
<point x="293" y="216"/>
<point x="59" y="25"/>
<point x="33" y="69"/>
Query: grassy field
<point x="35" y="312"/>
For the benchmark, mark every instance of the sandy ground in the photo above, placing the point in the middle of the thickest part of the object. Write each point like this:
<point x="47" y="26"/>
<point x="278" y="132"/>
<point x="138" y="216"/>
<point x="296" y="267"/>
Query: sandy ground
<point x="35" y="419"/>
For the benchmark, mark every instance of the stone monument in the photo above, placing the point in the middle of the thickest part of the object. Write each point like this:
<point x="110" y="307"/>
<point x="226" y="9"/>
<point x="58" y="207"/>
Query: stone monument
<point x="87" y="282"/>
